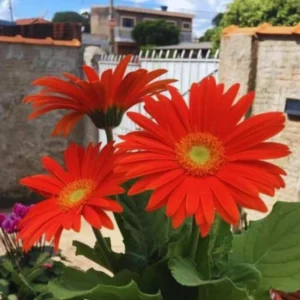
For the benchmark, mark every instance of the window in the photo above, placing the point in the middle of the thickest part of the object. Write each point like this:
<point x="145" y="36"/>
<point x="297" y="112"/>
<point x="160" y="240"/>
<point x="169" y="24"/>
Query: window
<point x="174" y="23"/>
<point x="186" y="26"/>
<point x="127" y="22"/>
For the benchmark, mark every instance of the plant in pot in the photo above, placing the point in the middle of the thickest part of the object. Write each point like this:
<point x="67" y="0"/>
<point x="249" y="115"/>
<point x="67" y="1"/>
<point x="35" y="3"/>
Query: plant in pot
<point x="174" y="188"/>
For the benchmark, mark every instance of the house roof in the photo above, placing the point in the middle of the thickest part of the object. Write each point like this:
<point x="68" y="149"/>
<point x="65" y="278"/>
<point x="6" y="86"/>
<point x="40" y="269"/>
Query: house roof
<point x="265" y="28"/>
<point x="150" y="11"/>
<point x="47" y="41"/>
<point x="31" y="21"/>
<point x="187" y="46"/>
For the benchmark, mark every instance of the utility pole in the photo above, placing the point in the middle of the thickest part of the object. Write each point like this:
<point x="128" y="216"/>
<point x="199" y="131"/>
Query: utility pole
<point x="10" y="10"/>
<point x="112" y="23"/>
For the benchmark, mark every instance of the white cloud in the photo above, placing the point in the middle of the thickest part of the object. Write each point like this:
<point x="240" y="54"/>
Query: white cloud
<point x="137" y="1"/>
<point x="203" y="10"/>
<point x="200" y="21"/>
<point x="218" y="5"/>
<point x="4" y="9"/>
<point x="83" y="10"/>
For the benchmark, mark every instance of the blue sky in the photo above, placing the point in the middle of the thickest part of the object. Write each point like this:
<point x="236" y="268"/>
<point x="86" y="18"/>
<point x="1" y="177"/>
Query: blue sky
<point x="204" y="10"/>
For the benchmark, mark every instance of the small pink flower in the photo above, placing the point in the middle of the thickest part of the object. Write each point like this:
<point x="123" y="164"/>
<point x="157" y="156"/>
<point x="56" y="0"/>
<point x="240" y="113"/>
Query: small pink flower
<point x="47" y="266"/>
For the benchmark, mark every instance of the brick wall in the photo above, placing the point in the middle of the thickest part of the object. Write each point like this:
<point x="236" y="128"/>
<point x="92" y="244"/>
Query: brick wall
<point x="270" y="65"/>
<point x="23" y="142"/>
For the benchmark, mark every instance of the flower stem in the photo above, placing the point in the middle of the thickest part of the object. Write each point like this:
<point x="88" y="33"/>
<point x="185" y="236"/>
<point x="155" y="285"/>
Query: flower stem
<point x="109" y="134"/>
<point x="194" y="240"/>
<point x="104" y="249"/>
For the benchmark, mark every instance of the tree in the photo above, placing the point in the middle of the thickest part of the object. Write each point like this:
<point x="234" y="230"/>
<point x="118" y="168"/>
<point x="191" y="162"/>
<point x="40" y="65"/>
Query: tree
<point x="255" y="12"/>
<point x="73" y="17"/>
<point x="67" y="17"/>
<point x="156" y="32"/>
<point x="250" y="13"/>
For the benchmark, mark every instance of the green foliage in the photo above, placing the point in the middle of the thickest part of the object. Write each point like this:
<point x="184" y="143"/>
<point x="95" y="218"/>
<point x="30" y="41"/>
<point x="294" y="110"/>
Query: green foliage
<point x="93" y="285"/>
<point x="272" y="245"/>
<point x="160" y="263"/>
<point x="254" y="12"/>
<point x="73" y="17"/>
<point x="29" y="279"/>
<point x="250" y="13"/>
<point x="156" y="32"/>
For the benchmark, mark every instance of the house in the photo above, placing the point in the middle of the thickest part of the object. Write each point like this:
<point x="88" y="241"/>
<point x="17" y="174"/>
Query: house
<point x="125" y="18"/>
<point x="30" y="21"/>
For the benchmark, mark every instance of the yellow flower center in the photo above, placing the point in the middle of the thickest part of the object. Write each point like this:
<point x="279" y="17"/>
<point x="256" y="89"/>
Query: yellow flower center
<point x="200" y="154"/>
<point x="75" y="193"/>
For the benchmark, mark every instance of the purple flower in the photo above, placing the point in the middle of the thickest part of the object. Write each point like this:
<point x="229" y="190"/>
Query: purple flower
<point x="20" y="210"/>
<point x="2" y="218"/>
<point x="11" y="223"/>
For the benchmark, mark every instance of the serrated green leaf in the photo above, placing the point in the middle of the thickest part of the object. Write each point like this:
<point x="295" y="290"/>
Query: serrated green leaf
<point x="272" y="245"/>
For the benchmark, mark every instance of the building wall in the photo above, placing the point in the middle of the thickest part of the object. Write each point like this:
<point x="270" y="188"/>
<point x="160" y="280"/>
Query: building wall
<point x="23" y="142"/>
<point x="270" y="65"/>
<point x="100" y="23"/>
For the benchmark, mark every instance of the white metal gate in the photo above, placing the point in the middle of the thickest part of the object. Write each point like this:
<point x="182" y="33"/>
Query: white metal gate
<point x="187" y="68"/>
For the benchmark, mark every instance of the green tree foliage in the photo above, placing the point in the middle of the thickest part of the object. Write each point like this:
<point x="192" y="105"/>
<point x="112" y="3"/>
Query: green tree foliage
<point x="73" y="17"/>
<point x="157" y="32"/>
<point x="254" y="12"/>
<point x="250" y="13"/>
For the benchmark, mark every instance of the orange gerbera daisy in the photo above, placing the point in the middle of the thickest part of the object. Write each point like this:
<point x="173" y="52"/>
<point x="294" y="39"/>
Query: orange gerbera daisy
<point x="103" y="99"/>
<point x="80" y="190"/>
<point x="200" y="158"/>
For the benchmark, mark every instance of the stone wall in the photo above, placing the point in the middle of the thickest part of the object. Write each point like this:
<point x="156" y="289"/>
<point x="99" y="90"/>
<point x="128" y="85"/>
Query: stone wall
<point x="273" y="71"/>
<point x="236" y="61"/>
<point x="23" y="142"/>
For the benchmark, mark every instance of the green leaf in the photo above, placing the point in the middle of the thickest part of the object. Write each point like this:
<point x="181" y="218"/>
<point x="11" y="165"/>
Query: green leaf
<point x="223" y="289"/>
<point x="272" y="245"/>
<point x="96" y="285"/>
<point x="96" y="256"/>
<point x="185" y="272"/>
<point x="220" y="241"/>
<point x="241" y="280"/>
<point x="145" y="234"/>
<point x="4" y="287"/>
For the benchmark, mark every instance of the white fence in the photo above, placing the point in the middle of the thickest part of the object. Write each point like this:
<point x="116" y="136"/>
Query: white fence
<point x="187" y="67"/>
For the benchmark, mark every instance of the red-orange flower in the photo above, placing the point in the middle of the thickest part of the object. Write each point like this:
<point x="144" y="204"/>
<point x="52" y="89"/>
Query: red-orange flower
<point x="80" y="190"/>
<point x="200" y="158"/>
<point x="103" y="99"/>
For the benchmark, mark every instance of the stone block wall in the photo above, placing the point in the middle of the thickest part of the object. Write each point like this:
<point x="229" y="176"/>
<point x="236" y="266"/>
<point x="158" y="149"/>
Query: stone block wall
<point x="270" y="65"/>
<point x="23" y="142"/>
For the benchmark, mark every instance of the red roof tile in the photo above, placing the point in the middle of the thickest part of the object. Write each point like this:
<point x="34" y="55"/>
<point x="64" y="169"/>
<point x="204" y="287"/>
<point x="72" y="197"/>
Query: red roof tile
<point x="31" y="21"/>
<point x="46" y="41"/>
<point x="265" y="28"/>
